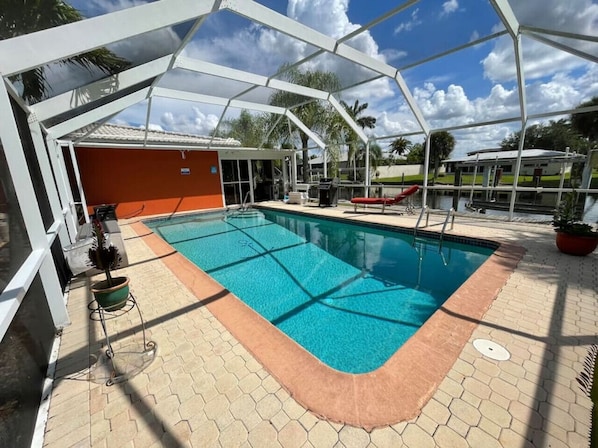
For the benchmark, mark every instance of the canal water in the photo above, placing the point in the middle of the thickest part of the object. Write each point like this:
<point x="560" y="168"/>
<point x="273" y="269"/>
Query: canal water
<point x="445" y="202"/>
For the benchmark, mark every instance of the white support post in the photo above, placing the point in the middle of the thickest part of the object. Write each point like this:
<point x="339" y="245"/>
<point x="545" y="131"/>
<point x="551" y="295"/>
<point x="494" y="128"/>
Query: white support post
<point x="54" y="294"/>
<point x="564" y="167"/>
<point x="367" y="169"/>
<point x="78" y="180"/>
<point x="251" y="183"/>
<point x="221" y="179"/>
<point x="294" y="172"/>
<point x="17" y="165"/>
<point x="64" y="189"/>
<point x="426" y="168"/>
<point x="285" y="177"/>
<point x="48" y="177"/>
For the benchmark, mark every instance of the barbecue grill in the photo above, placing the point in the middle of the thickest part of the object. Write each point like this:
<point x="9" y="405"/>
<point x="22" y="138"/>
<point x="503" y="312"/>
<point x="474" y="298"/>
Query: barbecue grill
<point x="328" y="189"/>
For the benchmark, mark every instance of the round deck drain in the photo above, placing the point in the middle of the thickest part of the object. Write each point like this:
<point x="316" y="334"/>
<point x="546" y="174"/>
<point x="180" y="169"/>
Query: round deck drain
<point x="491" y="349"/>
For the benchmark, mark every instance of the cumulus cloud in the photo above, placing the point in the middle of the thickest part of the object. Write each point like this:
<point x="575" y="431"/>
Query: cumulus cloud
<point x="97" y="7"/>
<point x="444" y="101"/>
<point x="540" y="59"/>
<point x="154" y="127"/>
<point x="195" y="123"/>
<point x="449" y="7"/>
<point x="261" y="50"/>
<point x="438" y="104"/>
<point x="327" y="16"/>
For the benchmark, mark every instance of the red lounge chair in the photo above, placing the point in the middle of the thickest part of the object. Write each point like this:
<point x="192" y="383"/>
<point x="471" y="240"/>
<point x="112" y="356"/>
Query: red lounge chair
<point x="386" y="201"/>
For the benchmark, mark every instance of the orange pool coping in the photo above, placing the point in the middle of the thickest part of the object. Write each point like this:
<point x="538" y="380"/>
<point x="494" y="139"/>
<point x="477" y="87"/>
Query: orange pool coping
<point x="395" y="392"/>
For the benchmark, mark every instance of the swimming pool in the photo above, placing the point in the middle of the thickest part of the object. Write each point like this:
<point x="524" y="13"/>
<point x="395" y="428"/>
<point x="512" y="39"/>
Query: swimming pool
<point x="349" y="294"/>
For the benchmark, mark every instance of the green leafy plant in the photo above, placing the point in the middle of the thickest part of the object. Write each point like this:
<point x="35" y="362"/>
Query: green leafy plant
<point x="103" y="255"/>
<point x="566" y="218"/>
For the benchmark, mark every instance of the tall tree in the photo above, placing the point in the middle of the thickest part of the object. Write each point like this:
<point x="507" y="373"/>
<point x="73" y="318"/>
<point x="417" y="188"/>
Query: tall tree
<point x="400" y="146"/>
<point x="376" y="155"/>
<point x="416" y="154"/>
<point x="441" y="145"/>
<point x="19" y="17"/>
<point x="315" y="114"/>
<point x="587" y="123"/>
<point x="356" y="113"/>
<point x="555" y="135"/>
<point x="247" y="128"/>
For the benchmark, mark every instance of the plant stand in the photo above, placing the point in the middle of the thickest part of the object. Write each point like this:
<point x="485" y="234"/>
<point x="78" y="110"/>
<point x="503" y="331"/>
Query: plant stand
<point x="125" y="363"/>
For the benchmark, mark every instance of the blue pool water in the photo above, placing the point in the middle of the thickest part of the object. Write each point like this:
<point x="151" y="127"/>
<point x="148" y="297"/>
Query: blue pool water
<point x="349" y="294"/>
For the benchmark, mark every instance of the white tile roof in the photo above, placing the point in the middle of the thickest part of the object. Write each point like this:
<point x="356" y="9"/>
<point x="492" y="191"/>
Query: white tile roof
<point x="504" y="156"/>
<point x="113" y="133"/>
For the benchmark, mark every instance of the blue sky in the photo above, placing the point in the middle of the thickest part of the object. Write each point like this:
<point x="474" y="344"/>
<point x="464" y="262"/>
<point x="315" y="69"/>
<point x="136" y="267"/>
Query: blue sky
<point x="473" y="85"/>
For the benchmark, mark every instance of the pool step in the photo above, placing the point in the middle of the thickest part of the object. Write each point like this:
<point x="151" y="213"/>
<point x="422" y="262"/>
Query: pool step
<point x="245" y="214"/>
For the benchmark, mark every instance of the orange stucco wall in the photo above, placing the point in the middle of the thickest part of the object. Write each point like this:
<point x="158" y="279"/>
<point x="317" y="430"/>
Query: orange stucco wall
<point x="149" y="182"/>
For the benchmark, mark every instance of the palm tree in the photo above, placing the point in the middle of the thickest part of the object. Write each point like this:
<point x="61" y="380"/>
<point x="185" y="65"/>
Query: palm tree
<point x="247" y="128"/>
<point x="376" y="155"/>
<point x="441" y="145"/>
<point x="369" y="122"/>
<point x="400" y="146"/>
<point x="19" y="17"/>
<point x="315" y="114"/>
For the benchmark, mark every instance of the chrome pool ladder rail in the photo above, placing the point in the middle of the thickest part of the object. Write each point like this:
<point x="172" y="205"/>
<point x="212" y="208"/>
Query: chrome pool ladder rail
<point x="244" y="205"/>
<point x="450" y="213"/>
<point x="425" y="210"/>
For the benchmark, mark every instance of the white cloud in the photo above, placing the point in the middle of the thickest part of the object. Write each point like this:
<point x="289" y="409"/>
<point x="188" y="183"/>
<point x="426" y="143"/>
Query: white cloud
<point x="409" y="25"/>
<point x="540" y="59"/>
<point x="452" y="107"/>
<point x="104" y="6"/>
<point x="449" y="7"/>
<point x="261" y="50"/>
<point x="327" y="16"/>
<point x="555" y="80"/>
<point x="443" y="105"/>
<point x="389" y="123"/>
<point x="195" y="123"/>
<point x="154" y="127"/>
<point x="390" y="55"/>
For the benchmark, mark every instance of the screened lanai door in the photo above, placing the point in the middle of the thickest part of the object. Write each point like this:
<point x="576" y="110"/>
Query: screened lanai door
<point x="236" y="181"/>
<point x="263" y="180"/>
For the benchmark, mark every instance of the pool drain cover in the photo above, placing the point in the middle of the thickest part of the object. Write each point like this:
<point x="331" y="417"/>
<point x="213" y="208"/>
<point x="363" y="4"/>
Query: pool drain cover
<point x="491" y="349"/>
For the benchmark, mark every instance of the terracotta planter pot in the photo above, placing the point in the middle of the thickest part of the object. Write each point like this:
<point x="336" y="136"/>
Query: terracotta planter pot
<point x="111" y="298"/>
<point x="576" y="245"/>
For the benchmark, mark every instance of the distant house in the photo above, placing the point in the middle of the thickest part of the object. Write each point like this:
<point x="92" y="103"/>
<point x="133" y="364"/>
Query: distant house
<point x="534" y="162"/>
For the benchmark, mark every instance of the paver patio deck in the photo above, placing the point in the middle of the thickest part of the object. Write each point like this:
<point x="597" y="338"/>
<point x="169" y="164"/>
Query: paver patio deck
<point x="206" y="389"/>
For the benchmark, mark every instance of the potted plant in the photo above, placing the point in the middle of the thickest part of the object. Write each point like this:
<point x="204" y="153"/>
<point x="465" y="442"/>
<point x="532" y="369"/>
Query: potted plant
<point x="111" y="294"/>
<point x="573" y="236"/>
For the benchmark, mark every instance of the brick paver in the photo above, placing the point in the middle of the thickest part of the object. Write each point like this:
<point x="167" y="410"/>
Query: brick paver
<point x="205" y="389"/>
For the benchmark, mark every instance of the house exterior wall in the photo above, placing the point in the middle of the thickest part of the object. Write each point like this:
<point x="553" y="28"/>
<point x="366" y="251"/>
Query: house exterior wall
<point x="149" y="182"/>
<point x="407" y="170"/>
<point x="527" y="167"/>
